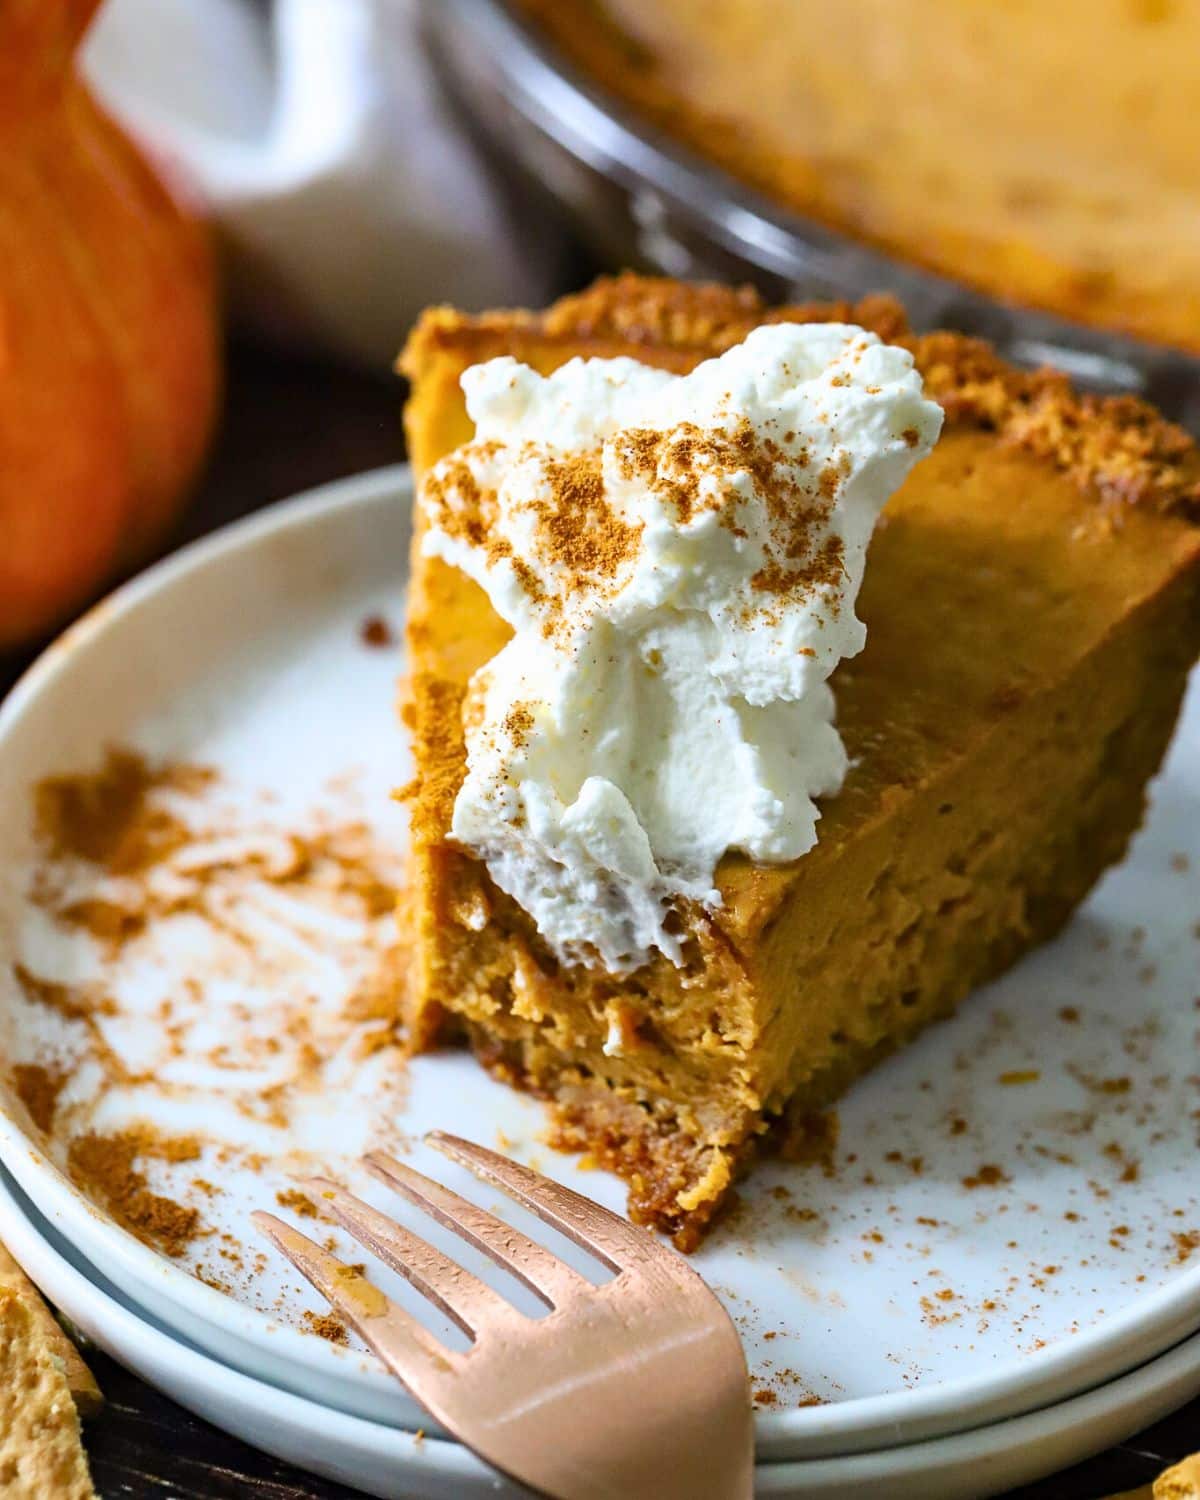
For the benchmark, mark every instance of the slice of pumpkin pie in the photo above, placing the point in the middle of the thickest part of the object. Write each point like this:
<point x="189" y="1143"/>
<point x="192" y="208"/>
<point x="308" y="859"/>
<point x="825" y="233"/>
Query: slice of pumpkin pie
<point x="756" y="723"/>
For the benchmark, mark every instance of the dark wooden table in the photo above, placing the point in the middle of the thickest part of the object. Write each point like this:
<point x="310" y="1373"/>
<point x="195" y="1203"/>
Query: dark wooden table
<point x="290" y="424"/>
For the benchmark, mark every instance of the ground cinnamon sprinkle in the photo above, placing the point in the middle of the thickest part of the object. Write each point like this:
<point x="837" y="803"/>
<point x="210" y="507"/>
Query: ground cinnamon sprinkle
<point x="452" y="496"/>
<point x="823" y="568"/>
<point x="579" y="529"/>
<point x="38" y="1087"/>
<point x="85" y="1003"/>
<point x="111" y="925"/>
<point x="352" y="866"/>
<point x="74" y="1002"/>
<point x="375" y="631"/>
<point x="518" y="724"/>
<point x="1186" y="1244"/>
<point x="104" y="1167"/>
<point x="108" y="817"/>
<point x="688" y="469"/>
<point x="1130" y="1168"/>
<point x="327" y="1326"/>
<point x="299" y="1203"/>
<point x="672" y="464"/>
<point x="988" y="1175"/>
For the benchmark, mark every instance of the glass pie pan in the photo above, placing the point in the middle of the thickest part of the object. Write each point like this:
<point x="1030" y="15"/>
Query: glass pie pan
<point x="640" y="200"/>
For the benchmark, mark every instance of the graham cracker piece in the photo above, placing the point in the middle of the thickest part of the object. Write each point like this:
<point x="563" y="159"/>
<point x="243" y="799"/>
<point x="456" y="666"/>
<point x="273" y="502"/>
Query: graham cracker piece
<point x="1181" y="1482"/>
<point x="80" y="1381"/>
<point x="41" y="1450"/>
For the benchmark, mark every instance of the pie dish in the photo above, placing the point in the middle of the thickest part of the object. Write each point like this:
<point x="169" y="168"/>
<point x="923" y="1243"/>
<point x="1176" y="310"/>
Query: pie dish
<point x="853" y="115"/>
<point x="1032" y="602"/>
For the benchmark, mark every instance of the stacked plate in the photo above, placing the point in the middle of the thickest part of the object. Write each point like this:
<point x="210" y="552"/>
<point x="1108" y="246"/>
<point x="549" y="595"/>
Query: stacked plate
<point x="995" y="1273"/>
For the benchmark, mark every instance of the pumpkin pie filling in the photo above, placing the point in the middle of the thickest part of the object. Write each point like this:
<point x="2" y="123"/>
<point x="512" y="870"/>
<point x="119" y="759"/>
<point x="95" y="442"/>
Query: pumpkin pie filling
<point x="1032" y="604"/>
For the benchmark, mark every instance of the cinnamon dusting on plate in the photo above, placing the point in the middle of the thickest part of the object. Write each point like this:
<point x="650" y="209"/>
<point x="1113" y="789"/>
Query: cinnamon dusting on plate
<point x="988" y="1175"/>
<point x="106" y="1168"/>
<point x="110" y="817"/>
<point x="129" y="852"/>
<point x="375" y="631"/>
<point x="327" y="1326"/>
<point x="1186" y="1244"/>
<point x="297" y="1202"/>
<point x="74" y="1002"/>
<point x="111" y="924"/>
<point x="38" y="1086"/>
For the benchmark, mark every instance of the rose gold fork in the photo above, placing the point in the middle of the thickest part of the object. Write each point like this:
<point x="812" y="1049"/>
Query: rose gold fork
<point x="637" y="1388"/>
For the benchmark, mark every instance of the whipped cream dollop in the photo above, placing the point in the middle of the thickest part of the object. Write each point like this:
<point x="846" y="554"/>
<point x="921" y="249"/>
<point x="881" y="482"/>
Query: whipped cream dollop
<point x="678" y="558"/>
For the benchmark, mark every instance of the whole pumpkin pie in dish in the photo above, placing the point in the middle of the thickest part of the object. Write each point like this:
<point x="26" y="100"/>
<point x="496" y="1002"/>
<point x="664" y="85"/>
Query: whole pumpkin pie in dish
<point x="1040" y="153"/>
<point x="1031" y="599"/>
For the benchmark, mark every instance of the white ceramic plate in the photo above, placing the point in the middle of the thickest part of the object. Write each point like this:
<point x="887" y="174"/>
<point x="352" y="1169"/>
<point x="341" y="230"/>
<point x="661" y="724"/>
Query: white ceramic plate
<point x="386" y="1461"/>
<point x="1012" y="1209"/>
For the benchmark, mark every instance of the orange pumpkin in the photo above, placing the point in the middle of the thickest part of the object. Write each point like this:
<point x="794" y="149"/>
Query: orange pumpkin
<point x="109" y="332"/>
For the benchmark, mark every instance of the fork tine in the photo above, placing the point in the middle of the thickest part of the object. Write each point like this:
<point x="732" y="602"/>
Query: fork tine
<point x="464" y="1299"/>
<point x="605" y="1234"/>
<point x="409" y="1350"/>
<point x="542" y="1272"/>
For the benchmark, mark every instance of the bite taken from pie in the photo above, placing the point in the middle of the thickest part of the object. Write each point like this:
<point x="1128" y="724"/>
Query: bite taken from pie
<point x="776" y="677"/>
